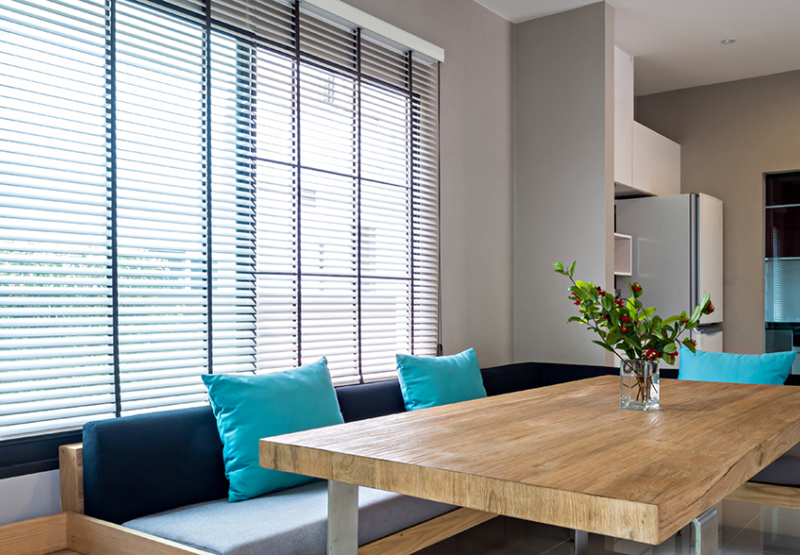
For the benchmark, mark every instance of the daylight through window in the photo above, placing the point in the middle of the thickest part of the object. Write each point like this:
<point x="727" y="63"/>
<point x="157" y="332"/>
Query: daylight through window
<point x="184" y="192"/>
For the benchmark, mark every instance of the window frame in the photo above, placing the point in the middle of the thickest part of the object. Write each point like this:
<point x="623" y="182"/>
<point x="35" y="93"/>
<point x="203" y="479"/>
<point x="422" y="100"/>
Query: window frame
<point x="39" y="453"/>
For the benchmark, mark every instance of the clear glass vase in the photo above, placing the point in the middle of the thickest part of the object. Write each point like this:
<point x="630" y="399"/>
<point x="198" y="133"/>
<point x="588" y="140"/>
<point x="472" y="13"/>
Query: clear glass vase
<point x="638" y="385"/>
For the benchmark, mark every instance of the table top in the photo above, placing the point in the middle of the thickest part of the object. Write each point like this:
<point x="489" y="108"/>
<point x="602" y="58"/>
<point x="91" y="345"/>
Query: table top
<point x="565" y="455"/>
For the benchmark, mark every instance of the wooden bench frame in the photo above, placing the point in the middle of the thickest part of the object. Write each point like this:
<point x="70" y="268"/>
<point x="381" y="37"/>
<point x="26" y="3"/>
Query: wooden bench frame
<point x="69" y="533"/>
<point x="404" y="542"/>
<point x="89" y="536"/>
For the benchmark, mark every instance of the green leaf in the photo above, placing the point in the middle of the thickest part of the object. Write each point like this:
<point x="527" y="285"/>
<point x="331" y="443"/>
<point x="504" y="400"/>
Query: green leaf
<point x="572" y="269"/>
<point x="575" y="319"/>
<point x="689" y="345"/>
<point x="671" y="319"/>
<point x="631" y="342"/>
<point x="559" y="267"/>
<point x="704" y="301"/>
<point x="657" y="322"/>
<point x="607" y="302"/>
<point x="670" y="348"/>
<point x="582" y="284"/>
<point x="696" y="313"/>
<point x="603" y="345"/>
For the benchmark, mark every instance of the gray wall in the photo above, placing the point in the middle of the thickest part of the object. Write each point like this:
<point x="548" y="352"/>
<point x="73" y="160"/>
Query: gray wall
<point x="476" y="167"/>
<point x="31" y="496"/>
<point x="476" y="195"/>
<point x="730" y="135"/>
<point x="564" y="162"/>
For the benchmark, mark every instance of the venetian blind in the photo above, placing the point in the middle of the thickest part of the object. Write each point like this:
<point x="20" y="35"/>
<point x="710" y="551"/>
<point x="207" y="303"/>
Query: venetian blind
<point x="56" y="324"/>
<point x="344" y="142"/>
<point x="184" y="192"/>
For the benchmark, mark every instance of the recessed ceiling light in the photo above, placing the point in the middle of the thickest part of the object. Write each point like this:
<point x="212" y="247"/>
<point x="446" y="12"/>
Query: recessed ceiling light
<point x="728" y="41"/>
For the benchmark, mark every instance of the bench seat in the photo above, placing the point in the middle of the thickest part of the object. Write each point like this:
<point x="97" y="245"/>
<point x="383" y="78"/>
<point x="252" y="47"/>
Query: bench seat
<point x="290" y="522"/>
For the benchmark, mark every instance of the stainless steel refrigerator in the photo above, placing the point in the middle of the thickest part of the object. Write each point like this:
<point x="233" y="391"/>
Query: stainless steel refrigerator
<point x="676" y="256"/>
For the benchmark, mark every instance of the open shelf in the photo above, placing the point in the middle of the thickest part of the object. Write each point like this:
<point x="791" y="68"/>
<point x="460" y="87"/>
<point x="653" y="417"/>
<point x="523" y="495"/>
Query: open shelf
<point x="623" y="254"/>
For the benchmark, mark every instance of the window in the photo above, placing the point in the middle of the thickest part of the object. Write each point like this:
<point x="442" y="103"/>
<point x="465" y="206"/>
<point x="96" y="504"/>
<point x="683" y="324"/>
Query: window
<point x="782" y="263"/>
<point x="182" y="194"/>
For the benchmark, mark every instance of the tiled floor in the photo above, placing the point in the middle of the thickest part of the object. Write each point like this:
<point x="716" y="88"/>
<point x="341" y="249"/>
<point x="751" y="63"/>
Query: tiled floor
<point x="746" y="530"/>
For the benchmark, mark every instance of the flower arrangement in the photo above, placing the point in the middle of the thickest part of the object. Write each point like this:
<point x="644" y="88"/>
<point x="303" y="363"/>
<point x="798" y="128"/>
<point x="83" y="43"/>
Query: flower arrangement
<point x="624" y="325"/>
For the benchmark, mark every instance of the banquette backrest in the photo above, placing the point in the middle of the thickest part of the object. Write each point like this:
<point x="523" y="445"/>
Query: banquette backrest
<point x="139" y="465"/>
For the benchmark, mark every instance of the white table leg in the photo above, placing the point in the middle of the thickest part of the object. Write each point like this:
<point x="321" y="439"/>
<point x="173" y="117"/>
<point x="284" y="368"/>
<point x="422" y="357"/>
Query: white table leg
<point x="706" y="533"/>
<point x="342" y="519"/>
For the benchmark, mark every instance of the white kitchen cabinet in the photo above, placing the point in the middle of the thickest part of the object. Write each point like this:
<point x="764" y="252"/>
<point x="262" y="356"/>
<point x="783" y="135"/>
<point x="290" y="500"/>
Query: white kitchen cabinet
<point x="623" y="117"/>
<point x="645" y="163"/>
<point x="656" y="162"/>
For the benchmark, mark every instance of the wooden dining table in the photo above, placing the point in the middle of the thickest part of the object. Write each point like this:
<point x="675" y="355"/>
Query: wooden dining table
<point x="565" y="455"/>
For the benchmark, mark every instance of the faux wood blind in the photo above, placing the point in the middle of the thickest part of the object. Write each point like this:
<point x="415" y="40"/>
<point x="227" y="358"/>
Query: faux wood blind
<point x="184" y="189"/>
<point x="56" y="324"/>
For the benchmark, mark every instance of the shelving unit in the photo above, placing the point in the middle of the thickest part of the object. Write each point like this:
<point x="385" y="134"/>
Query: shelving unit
<point x="623" y="254"/>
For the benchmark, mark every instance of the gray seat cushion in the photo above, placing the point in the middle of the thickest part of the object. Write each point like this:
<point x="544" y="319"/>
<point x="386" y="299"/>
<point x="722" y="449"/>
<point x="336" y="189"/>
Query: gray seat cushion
<point x="785" y="471"/>
<point x="291" y="522"/>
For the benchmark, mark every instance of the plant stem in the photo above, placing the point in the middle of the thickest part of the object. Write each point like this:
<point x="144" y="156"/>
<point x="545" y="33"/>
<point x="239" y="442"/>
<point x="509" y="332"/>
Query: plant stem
<point x="597" y="325"/>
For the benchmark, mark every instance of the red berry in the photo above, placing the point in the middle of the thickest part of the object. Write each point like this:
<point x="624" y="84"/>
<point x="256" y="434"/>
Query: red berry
<point x="625" y="318"/>
<point x="624" y="329"/>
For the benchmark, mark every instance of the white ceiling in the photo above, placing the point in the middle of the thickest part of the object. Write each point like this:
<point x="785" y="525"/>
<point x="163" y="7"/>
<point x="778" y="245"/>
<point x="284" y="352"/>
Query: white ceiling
<point x="676" y="43"/>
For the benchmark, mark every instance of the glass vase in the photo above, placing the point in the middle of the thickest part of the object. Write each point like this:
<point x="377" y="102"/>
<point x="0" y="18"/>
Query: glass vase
<point x="638" y="385"/>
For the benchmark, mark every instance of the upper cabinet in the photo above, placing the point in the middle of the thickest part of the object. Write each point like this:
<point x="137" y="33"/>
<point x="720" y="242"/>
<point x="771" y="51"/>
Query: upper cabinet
<point x="623" y="117"/>
<point x="656" y="162"/>
<point x="645" y="163"/>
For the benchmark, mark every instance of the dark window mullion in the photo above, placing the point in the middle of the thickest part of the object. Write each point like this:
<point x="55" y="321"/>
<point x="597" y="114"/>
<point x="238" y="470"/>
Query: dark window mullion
<point x="111" y="42"/>
<point x="411" y="186"/>
<point x="357" y="121"/>
<point x="251" y="108"/>
<point x="207" y="164"/>
<point x="298" y="161"/>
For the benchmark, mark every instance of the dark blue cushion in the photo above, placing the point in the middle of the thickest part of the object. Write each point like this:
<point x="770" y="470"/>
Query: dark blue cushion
<point x="140" y="465"/>
<point x="358" y="402"/>
<point x="509" y="378"/>
<point x="555" y="373"/>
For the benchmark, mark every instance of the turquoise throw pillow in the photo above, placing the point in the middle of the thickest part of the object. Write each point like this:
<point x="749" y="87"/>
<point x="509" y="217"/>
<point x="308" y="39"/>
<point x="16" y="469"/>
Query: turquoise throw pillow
<point x="767" y="369"/>
<point x="249" y="408"/>
<point x="430" y="382"/>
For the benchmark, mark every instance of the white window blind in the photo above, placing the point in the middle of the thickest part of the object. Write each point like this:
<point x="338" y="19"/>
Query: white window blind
<point x="185" y="191"/>
<point x="56" y="352"/>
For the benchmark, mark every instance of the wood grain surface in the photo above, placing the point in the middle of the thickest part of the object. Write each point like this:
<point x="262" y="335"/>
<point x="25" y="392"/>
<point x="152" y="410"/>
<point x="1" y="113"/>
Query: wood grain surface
<point x="565" y="455"/>
<point x="427" y="533"/>
<point x="70" y="466"/>
<point x="47" y="534"/>
<point x="90" y="536"/>
<point x="767" y="494"/>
